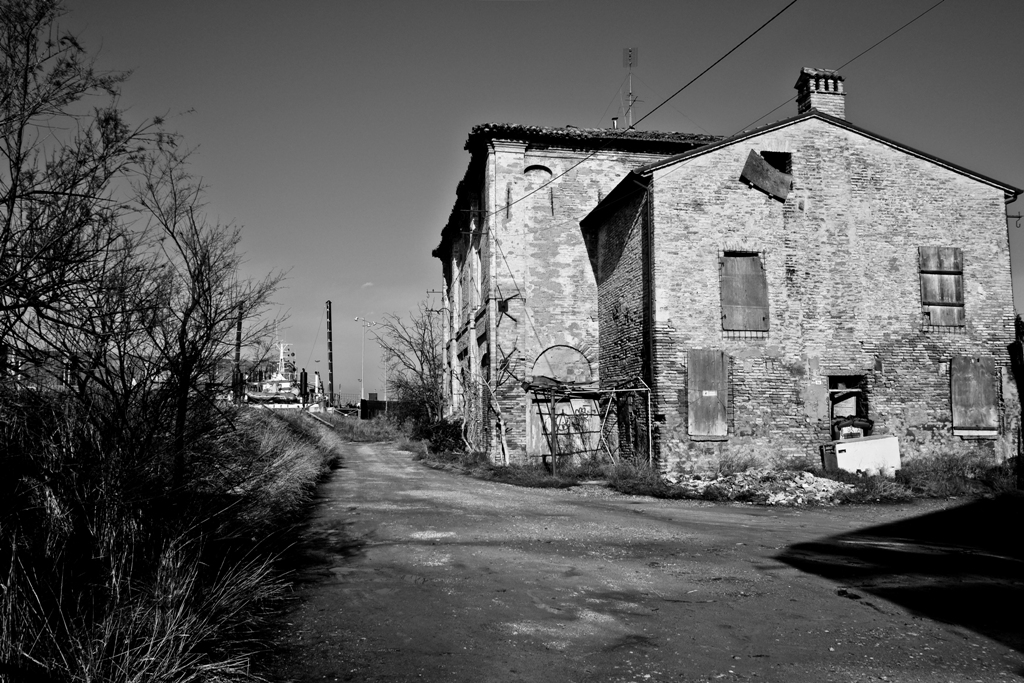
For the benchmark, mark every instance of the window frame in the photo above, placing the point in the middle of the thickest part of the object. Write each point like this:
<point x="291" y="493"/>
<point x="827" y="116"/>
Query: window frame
<point x="974" y="397"/>
<point x="941" y="278"/>
<point x="730" y="297"/>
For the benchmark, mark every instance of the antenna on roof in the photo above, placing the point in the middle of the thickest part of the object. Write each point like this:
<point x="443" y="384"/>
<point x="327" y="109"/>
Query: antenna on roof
<point x="630" y="58"/>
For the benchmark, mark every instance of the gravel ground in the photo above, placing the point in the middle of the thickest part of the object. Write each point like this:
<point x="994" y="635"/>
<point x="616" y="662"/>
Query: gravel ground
<point x="411" y="574"/>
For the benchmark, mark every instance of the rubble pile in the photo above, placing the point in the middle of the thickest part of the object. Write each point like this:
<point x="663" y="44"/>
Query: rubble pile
<point x="764" y="486"/>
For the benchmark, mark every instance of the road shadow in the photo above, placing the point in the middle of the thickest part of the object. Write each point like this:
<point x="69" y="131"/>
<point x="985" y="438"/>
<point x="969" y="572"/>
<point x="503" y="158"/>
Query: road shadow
<point x="961" y="566"/>
<point x="309" y="547"/>
<point x="317" y="542"/>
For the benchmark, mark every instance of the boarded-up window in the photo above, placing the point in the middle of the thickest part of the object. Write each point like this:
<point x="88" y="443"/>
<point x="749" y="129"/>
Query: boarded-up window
<point x="942" y="286"/>
<point x="765" y="174"/>
<point x="476" y="273"/>
<point x="744" y="292"/>
<point x="456" y="292"/>
<point x="707" y="385"/>
<point x="974" y="396"/>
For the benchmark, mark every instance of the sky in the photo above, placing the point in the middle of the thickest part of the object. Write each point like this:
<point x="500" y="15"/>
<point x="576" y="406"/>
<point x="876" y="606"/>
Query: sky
<point x="333" y="131"/>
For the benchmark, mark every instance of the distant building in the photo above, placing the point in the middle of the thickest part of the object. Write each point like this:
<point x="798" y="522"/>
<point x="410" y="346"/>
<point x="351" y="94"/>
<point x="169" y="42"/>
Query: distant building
<point x="778" y="283"/>
<point x="520" y="297"/>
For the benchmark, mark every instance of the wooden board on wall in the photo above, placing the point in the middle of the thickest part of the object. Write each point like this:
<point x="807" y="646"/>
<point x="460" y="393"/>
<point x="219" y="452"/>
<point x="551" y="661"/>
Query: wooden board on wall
<point x="744" y="293"/>
<point x="974" y="394"/>
<point x="707" y="387"/>
<point x="760" y="174"/>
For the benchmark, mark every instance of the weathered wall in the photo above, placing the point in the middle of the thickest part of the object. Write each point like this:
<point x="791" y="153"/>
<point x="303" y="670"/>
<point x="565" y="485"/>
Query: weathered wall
<point x="841" y="256"/>
<point x="618" y="252"/>
<point x="538" y="288"/>
<point x="544" y="270"/>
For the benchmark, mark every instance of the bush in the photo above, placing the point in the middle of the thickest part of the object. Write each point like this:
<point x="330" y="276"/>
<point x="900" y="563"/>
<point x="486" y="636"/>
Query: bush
<point x="444" y="436"/>
<point x="533" y="475"/>
<point x="584" y="469"/>
<point x="379" y="428"/>
<point x="957" y="474"/>
<point x="640" y="479"/>
<point x="103" y="559"/>
<point x="870" y="488"/>
<point x="418" y="448"/>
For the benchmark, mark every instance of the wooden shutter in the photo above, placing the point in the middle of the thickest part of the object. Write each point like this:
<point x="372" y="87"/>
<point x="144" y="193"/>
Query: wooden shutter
<point x="760" y="174"/>
<point x="974" y="394"/>
<point x="707" y="384"/>
<point x="744" y="293"/>
<point x="942" y="285"/>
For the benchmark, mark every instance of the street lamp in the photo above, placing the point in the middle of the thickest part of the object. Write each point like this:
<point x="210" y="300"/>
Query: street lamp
<point x="383" y="355"/>
<point x="362" y="354"/>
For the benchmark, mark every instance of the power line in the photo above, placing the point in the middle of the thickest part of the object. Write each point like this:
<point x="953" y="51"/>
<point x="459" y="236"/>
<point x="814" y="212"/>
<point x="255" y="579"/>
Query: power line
<point x="618" y="93"/>
<point x="749" y="125"/>
<point x="684" y="163"/>
<point x="529" y="318"/>
<point x="674" y="106"/>
<point x="694" y="79"/>
<point x="848" y="62"/>
<point x="601" y="147"/>
<point x="317" y="337"/>
<point x="892" y="34"/>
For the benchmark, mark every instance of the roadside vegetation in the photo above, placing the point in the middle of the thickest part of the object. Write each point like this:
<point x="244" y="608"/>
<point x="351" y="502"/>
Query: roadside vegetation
<point x="112" y="573"/>
<point x="364" y="431"/>
<point x="140" y="512"/>
<point x="413" y="351"/>
<point x="793" y="484"/>
<point x="415" y="364"/>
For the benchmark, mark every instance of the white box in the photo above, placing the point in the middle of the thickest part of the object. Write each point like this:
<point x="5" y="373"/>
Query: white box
<point x="869" y="455"/>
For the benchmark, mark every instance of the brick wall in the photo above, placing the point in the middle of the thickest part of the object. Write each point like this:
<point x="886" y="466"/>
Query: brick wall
<point x="544" y="267"/>
<point x="619" y="269"/>
<point x="536" y="263"/>
<point x="841" y="258"/>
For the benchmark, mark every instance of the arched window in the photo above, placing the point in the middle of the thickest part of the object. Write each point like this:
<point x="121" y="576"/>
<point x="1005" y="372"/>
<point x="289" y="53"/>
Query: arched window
<point x="535" y="173"/>
<point x="564" y="364"/>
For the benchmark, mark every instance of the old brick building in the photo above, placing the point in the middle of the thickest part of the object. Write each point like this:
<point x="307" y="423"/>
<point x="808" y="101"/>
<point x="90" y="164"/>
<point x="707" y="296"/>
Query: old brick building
<point x="519" y="295"/>
<point x="772" y="284"/>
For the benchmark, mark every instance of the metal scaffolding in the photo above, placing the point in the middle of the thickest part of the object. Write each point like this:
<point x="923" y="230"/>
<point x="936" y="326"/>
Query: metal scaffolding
<point x="581" y="422"/>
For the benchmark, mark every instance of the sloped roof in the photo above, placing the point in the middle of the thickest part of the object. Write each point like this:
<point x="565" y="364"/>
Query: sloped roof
<point x="569" y="137"/>
<point x="1010" y="192"/>
<point x="637" y="179"/>
<point x="585" y="138"/>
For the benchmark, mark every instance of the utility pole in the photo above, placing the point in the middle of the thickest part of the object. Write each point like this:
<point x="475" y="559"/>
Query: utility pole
<point x="384" y="356"/>
<point x="330" y="359"/>
<point x="362" y="356"/>
<point x="630" y="58"/>
<point x="236" y="374"/>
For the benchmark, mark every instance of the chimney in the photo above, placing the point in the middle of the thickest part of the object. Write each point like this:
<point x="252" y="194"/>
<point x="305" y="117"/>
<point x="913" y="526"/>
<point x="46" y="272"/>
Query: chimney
<point x="821" y="89"/>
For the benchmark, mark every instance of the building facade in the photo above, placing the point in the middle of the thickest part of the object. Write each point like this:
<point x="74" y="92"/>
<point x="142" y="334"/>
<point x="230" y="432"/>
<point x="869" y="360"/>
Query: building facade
<point x="519" y="298"/>
<point x="807" y="274"/>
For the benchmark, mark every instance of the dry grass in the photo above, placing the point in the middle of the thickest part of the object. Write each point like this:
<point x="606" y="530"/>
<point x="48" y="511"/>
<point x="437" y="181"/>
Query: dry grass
<point x="957" y="474"/>
<point x="870" y="489"/>
<point x="531" y="475"/>
<point x="640" y="479"/>
<point x="952" y="474"/>
<point x="109" y="575"/>
<point x="420" y="449"/>
<point x="378" y="429"/>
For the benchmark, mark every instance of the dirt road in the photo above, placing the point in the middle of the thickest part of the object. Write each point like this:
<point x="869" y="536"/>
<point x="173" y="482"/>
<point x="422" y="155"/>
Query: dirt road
<point x="412" y="574"/>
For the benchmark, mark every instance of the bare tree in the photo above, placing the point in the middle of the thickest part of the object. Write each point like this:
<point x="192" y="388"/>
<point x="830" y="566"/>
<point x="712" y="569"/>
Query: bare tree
<point x="413" y="353"/>
<point x="118" y="304"/>
<point x="58" y="160"/>
<point x="202" y="293"/>
<point x="76" y="281"/>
